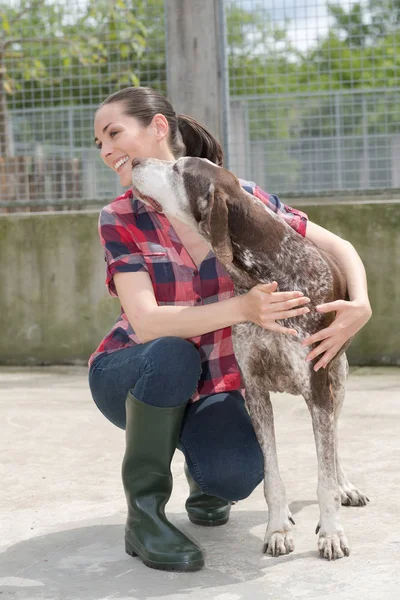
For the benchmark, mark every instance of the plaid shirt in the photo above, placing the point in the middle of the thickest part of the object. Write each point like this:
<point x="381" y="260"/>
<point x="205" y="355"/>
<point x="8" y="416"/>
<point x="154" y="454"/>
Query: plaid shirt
<point x="137" y="238"/>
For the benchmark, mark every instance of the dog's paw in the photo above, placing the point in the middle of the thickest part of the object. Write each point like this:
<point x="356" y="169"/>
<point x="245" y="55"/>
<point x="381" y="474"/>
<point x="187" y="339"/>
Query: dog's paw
<point x="333" y="546"/>
<point x="278" y="543"/>
<point x="351" y="496"/>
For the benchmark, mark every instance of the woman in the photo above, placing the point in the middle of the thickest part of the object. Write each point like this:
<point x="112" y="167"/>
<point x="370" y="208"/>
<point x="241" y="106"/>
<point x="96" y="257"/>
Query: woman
<point x="166" y="372"/>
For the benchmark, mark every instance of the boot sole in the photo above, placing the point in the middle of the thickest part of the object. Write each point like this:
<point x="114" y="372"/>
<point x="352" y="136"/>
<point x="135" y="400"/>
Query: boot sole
<point x="186" y="566"/>
<point x="205" y="523"/>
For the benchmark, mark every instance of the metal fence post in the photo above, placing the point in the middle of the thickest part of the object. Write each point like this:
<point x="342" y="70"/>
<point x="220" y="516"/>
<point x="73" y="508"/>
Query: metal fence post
<point x="364" y="170"/>
<point x="338" y="129"/>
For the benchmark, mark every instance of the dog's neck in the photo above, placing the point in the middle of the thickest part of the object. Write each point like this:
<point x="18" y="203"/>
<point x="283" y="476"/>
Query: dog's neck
<point x="255" y="234"/>
<point x="264" y="231"/>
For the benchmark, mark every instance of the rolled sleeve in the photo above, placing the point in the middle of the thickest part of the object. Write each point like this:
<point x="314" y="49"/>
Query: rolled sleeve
<point x="122" y="254"/>
<point x="293" y="217"/>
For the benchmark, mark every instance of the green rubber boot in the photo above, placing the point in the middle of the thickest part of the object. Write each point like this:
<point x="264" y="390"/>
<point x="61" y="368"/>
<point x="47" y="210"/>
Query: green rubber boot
<point x="205" y="510"/>
<point x="151" y="438"/>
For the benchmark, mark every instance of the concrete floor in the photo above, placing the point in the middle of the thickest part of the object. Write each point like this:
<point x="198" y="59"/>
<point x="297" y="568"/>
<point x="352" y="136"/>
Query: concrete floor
<point x="63" y="507"/>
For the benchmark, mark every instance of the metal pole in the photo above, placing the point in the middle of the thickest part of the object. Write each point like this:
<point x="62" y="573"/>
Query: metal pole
<point x="224" y="77"/>
<point x="338" y="128"/>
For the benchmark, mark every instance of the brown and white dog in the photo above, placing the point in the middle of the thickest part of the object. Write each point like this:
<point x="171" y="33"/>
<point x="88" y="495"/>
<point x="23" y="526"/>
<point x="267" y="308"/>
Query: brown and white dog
<point x="256" y="246"/>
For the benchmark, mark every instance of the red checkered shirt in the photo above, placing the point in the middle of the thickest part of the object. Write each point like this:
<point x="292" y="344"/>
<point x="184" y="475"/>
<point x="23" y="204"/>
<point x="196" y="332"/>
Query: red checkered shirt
<point x="137" y="238"/>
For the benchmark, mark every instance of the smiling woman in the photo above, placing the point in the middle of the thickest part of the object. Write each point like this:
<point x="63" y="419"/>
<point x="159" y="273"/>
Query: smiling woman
<point x="166" y="372"/>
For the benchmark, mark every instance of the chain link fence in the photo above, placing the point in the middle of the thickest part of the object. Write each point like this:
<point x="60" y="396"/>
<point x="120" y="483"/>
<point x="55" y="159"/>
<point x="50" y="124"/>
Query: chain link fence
<point x="314" y="93"/>
<point x="58" y="60"/>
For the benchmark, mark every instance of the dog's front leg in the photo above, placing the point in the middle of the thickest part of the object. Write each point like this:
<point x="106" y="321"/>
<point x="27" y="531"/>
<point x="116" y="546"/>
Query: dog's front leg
<point x="278" y="537"/>
<point x="332" y="542"/>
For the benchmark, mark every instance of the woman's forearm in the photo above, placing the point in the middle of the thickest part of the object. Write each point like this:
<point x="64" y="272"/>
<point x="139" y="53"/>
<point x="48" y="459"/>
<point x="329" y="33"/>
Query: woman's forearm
<point x="347" y="257"/>
<point x="354" y="271"/>
<point x="189" y="321"/>
<point x="262" y="305"/>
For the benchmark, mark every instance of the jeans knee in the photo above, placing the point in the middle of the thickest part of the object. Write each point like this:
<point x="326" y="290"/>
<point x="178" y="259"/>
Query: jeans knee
<point x="172" y="370"/>
<point x="236" y="483"/>
<point x="177" y="359"/>
<point x="237" y="487"/>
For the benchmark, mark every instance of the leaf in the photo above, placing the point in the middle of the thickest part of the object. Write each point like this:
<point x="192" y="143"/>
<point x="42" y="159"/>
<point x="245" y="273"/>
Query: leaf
<point x="124" y="50"/>
<point x="134" y="79"/>
<point x="5" y="25"/>
<point x="7" y="87"/>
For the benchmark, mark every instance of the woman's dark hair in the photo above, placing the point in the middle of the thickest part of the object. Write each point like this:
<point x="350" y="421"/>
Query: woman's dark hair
<point x="187" y="136"/>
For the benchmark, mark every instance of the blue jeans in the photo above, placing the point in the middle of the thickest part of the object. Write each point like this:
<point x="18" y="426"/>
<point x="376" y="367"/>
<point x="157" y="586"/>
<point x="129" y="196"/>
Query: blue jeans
<point x="216" y="437"/>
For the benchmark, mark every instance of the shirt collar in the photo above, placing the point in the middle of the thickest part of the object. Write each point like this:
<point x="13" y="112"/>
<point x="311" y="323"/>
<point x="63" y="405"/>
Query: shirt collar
<point x="141" y="207"/>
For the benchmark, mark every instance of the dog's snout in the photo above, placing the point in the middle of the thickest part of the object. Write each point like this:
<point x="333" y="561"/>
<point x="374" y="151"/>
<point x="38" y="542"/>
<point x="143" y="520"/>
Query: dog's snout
<point x="135" y="162"/>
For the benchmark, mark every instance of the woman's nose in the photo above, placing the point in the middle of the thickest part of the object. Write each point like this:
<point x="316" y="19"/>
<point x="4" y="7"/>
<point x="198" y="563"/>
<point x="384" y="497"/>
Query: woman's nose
<point x="105" y="151"/>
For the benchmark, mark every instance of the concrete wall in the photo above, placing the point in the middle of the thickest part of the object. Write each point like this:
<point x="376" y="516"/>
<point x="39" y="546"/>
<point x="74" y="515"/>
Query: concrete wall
<point x="54" y="307"/>
<point x="374" y="230"/>
<point x="53" y="303"/>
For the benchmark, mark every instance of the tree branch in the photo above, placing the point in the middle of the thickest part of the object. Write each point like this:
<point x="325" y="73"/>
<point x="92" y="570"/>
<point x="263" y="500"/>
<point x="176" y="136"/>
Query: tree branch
<point x="35" y="3"/>
<point x="11" y="41"/>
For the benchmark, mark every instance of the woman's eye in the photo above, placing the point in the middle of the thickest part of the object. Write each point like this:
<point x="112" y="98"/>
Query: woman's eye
<point x="113" y="133"/>
<point x="98" y="146"/>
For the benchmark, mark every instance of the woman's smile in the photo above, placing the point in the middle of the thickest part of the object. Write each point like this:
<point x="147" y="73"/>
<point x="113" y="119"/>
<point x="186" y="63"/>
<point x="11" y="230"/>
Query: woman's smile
<point x="120" y="163"/>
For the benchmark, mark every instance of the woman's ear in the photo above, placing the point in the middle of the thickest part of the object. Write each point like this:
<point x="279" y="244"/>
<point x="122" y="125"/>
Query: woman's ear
<point x="161" y="126"/>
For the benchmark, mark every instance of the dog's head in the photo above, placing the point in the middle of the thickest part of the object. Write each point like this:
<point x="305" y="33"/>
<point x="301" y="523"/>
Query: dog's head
<point x="193" y="190"/>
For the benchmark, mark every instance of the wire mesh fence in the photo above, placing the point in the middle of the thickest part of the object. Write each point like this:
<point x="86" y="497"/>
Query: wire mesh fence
<point x="316" y="86"/>
<point x="314" y="93"/>
<point x="58" y="60"/>
<point x="313" y="143"/>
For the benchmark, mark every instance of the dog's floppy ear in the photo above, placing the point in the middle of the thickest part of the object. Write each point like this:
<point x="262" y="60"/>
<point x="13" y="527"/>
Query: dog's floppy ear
<point x="216" y="223"/>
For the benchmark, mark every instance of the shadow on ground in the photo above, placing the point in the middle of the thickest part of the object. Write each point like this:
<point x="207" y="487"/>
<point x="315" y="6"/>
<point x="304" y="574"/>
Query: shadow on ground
<point x="89" y="563"/>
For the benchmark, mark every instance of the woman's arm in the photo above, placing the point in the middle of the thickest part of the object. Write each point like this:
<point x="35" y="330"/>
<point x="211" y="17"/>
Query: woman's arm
<point x="352" y="315"/>
<point x="261" y="304"/>
<point x="347" y="257"/>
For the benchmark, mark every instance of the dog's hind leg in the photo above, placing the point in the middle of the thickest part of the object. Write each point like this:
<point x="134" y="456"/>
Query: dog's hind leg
<point x="350" y="495"/>
<point x="332" y="541"/>
<point x="278" y="537"/>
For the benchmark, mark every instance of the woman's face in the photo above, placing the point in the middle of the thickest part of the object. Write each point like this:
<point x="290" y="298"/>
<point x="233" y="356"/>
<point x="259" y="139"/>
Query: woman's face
<point x="122" y="138"/>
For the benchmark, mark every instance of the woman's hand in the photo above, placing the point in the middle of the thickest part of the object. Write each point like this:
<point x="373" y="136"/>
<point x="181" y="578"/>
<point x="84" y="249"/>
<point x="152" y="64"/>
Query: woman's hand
<point x="263" y="305"/>
<point x="351" y="316"/>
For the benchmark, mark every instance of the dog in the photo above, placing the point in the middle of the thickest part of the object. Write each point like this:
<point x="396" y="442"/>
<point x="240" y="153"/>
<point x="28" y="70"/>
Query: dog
<point x="256" y="246"/>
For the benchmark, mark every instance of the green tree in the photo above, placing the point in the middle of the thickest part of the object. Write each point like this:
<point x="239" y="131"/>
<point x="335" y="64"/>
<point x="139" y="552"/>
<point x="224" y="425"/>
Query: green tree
<point x="359" y="52"/>
<point x="384" y="17"/>
<point x="44" y="51"/>
<point x="351" y="24"/>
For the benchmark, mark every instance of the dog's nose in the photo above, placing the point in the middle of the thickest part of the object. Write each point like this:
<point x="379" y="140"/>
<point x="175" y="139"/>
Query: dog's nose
<point x="135" y="162"/>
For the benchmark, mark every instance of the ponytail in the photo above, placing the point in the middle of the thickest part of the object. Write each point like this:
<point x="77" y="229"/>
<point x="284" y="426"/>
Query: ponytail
<point x="198" y="141"/>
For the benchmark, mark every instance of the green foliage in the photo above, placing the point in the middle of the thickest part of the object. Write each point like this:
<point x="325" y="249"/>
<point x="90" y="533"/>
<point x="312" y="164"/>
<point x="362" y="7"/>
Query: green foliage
<point x="352" y="23"/>
<point x="51" y="54"/>
<point x="113" y="43"/>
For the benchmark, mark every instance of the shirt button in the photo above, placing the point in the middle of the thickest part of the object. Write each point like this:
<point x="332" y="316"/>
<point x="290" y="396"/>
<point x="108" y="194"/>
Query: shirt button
<point x="195" y="272"/>
<point x="198" y="300"/>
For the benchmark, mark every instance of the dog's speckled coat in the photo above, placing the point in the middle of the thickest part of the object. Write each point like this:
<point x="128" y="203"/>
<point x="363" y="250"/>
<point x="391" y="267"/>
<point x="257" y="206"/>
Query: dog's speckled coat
<point x="256" y="246"/>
